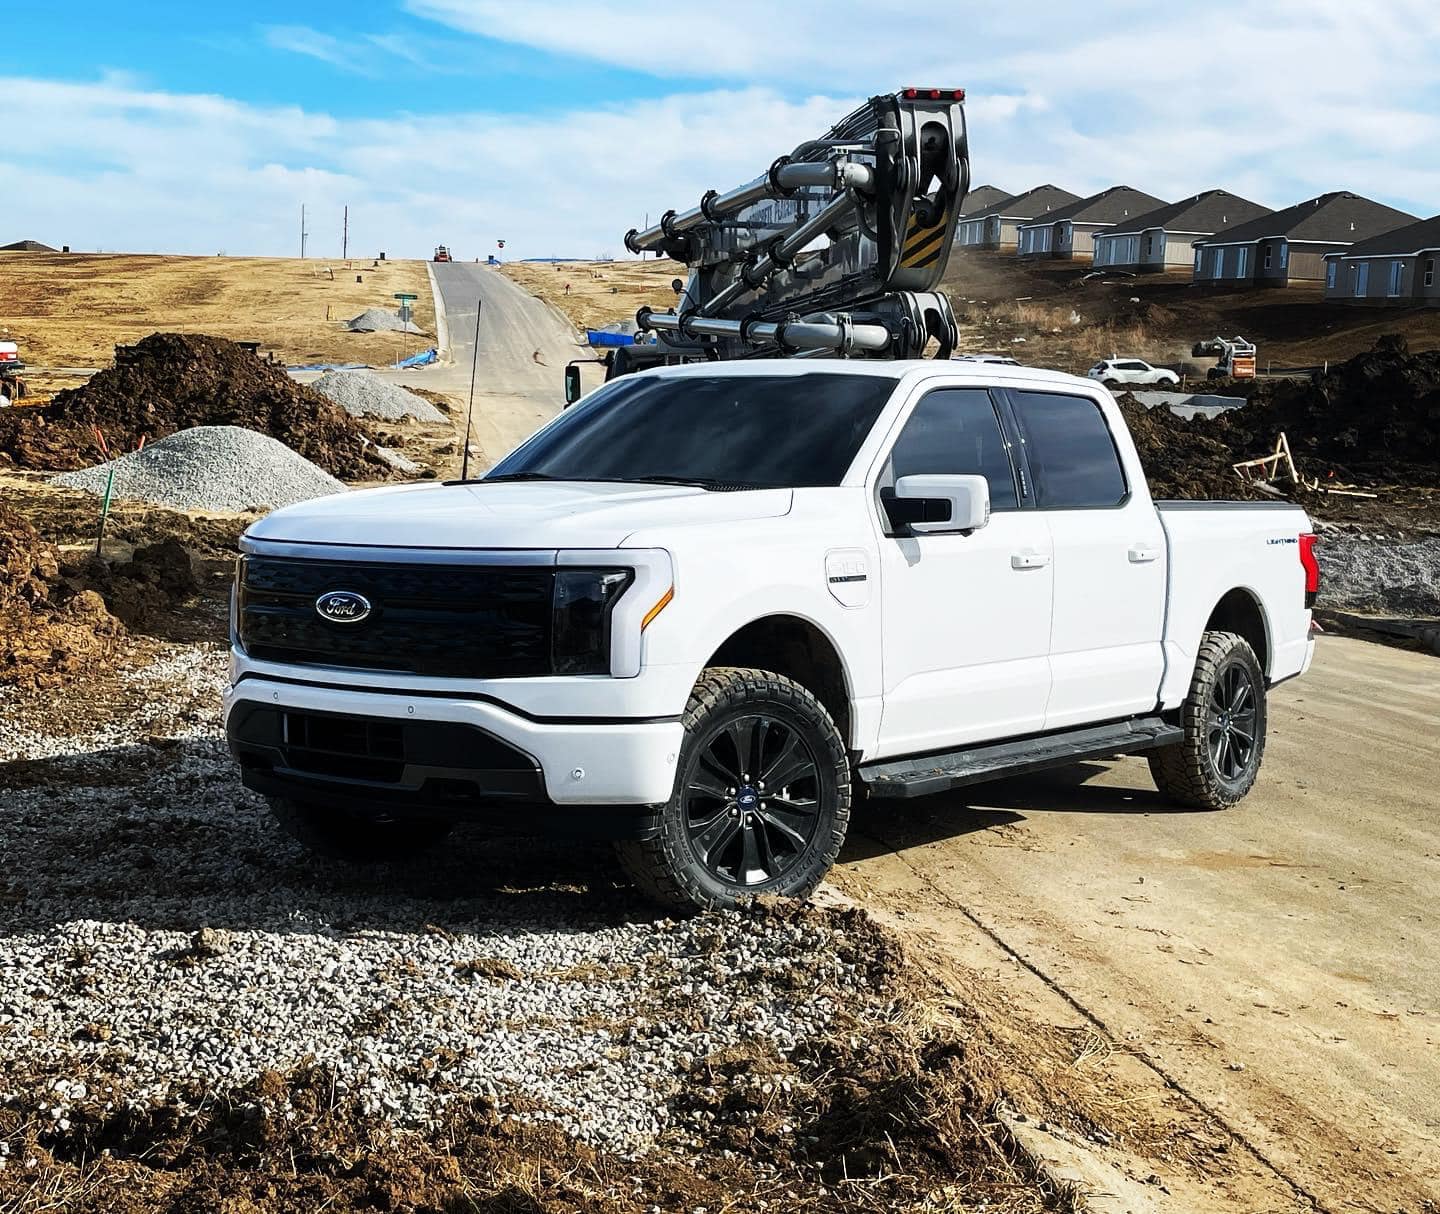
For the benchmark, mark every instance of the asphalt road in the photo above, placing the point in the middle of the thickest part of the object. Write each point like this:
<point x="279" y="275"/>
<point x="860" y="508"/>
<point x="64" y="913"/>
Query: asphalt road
<point x="520" y="364"/>
<point x="1279" y="960"/>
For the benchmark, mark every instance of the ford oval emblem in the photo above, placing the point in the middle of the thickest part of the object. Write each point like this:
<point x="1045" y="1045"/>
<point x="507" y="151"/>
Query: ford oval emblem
<point x="342" y="607"/>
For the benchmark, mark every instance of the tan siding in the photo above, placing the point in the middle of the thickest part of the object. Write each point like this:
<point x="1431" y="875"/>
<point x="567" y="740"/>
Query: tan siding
<point x="1307" y="264"/>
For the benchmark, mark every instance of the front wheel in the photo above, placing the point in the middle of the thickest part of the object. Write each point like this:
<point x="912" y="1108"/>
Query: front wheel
<point x="761" y="801"/>
<point x="1215" y="764"/>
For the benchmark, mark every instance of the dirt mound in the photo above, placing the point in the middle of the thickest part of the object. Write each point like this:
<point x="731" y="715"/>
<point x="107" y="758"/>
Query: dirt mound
<point x="55" y="620"/>
<point x="1182" y="459"/>
<point x="175" y="381"/>
<point x="1375" y="418"/>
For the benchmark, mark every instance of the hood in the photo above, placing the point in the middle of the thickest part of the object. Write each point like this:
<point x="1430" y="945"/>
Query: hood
<point x="514" y="514"/>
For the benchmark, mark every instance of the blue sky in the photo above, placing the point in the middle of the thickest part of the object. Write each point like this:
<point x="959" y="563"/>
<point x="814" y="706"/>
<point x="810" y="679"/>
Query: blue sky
<point x="556" y="125"/>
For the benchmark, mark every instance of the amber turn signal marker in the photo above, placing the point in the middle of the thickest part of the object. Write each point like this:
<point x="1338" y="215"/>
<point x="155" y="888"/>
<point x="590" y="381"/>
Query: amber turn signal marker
<point x="658" y="608"/>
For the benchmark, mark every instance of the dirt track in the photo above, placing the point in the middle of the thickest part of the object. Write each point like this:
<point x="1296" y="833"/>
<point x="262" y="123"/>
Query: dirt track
<point x="1276" y="962"/>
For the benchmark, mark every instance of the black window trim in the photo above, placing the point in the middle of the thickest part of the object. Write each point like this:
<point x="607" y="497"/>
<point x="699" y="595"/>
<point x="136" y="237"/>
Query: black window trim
<point x="1009" y="433"/>
<point x="1012" y="421"/>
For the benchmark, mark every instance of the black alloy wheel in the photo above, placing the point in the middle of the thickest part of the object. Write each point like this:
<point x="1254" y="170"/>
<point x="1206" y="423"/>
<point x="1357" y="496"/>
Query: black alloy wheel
<point x="1231" y="733"/>
<point x="750" y="799"/>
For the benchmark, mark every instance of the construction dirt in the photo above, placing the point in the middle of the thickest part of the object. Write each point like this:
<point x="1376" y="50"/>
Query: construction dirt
<point x="594" y="294"/>
<point x="72" y="309"/>
<point x="174" y="381"/>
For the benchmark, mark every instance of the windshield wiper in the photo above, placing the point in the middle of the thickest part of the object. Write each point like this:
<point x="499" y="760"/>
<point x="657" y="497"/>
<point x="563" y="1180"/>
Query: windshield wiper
<point x="713" y="483"/>
<point x="516" y="476"/>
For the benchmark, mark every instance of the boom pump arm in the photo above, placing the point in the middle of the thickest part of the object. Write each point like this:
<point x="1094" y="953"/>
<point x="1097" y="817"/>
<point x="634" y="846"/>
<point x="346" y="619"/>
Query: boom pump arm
<point x="836" y="249"/>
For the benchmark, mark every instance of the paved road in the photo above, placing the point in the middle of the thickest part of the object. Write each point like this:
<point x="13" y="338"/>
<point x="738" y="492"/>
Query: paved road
<point x="1279" y="960"/>
<point x="514" y="392"/>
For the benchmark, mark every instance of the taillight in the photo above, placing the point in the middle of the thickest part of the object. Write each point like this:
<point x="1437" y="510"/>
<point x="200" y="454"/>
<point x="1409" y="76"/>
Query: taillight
<point x="1312" y="568"/>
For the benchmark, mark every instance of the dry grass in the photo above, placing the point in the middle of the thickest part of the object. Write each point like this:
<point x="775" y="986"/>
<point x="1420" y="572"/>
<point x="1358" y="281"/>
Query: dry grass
<point x="601" y="292"/>
<point x="73" y="309"/>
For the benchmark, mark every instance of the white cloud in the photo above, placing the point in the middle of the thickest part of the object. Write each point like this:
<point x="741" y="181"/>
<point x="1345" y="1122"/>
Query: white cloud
<point x="1278" y="101"/>
<point x="108" y="165"/>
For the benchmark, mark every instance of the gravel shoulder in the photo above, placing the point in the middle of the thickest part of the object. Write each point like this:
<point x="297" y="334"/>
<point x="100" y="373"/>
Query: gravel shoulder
<point x="227" y="1016"/>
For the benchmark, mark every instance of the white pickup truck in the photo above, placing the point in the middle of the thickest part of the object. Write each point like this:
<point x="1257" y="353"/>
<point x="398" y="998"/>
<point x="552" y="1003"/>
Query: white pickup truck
<point x="701" y="610"/>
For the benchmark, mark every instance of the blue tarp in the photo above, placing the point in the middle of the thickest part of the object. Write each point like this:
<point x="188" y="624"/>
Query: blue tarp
<point x="600" y="339"/>
<point x="423" y="359"/>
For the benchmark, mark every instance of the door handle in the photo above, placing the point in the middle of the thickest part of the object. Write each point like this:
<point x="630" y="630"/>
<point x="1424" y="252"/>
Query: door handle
<point x="1029" y="560"/>
<point x="1140" y="553"/>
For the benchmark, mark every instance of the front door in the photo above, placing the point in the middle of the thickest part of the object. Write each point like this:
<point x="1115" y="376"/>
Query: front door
<point x="1106" y="637"/>
<point x="966" y="618"/>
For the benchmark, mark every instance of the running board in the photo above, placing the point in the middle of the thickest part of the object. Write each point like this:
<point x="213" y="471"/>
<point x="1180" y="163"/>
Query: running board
<point x="937" y="773"/>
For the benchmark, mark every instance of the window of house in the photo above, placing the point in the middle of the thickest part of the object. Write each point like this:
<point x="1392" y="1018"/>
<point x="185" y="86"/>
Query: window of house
<point x="1362" y="279"/>
<point x="1331" y="266"/>
<point x="1429" y="271"/>
<point x="1149" y="245"/>
<point x="1199" y="254"/>
<point x="1284" y="254"/>
<point x="955" y="432"/>
<point x="1071" y="453"/>
<point x="1242" y="261"/>
<point x="1268" y="251"/>
<point x="1397" y="276"/>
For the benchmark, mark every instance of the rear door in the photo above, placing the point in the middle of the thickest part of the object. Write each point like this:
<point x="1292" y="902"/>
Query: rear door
<point x="1106" y="635"/>
<point x="966" y="617"/>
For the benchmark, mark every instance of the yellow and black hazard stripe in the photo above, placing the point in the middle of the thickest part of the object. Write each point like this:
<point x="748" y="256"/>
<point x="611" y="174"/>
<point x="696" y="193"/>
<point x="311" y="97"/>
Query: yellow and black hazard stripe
<point x="923" y="245"/>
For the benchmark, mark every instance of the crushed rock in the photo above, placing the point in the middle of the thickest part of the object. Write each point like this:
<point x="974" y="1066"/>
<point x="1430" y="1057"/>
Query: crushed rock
<point x="210" y="468"/>
<point x="379" y="320"/>
<point x="365" y="394"/>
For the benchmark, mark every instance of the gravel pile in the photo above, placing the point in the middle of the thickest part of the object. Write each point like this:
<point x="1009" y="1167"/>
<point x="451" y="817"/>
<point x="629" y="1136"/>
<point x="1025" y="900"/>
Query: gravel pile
<point x="365" y="394"/>
<point x="1380" y="575"/>
<point x="378" y="320"/>
<point x="159" y="929"/>
<point x="210" y="468"/>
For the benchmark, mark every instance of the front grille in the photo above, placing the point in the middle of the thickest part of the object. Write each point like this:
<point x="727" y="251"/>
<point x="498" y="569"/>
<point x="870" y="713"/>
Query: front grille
<point x="456" y="621"/>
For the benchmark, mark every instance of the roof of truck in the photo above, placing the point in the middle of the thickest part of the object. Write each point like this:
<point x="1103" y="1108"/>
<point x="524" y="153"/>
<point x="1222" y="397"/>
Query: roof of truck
<point x="892" y="369"/>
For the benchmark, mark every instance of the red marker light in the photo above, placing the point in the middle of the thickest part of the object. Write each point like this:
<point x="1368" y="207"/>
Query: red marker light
<point x="959" y="94"/>
<point x="911" y="94"/>
<point x="934" y="94"/>
<point x="1311" y="566"/>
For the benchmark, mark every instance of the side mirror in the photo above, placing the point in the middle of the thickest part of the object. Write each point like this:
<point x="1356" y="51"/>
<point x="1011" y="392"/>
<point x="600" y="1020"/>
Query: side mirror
<point x="572" y="384"/>
<point x="935" y="503"/>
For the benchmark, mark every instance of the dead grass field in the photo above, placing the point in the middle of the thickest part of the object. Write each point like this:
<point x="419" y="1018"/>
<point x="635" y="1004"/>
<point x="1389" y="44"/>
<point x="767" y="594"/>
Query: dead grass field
<point x="601" y="292"/>
<point x="73" y="309"/>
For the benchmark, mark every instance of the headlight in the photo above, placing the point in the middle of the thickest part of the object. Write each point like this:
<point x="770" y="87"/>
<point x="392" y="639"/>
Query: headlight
<point x="582" y="604"/>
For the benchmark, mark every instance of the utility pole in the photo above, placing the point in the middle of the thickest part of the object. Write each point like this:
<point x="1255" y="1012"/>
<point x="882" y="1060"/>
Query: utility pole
<point x="303" y="232"/>
<point x="345" y="236"/>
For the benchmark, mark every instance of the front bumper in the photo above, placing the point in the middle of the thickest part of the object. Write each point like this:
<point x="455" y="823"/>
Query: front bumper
<point x="450" y="757"/>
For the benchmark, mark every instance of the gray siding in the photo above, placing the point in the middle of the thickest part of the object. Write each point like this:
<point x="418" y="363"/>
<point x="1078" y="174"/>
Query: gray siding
<point x="1378" y="284"/>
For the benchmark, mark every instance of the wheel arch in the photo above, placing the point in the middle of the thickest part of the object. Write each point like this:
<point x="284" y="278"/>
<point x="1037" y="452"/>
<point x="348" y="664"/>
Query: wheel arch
<point x="1240" y="611"/>
<point x="799" y="649"/>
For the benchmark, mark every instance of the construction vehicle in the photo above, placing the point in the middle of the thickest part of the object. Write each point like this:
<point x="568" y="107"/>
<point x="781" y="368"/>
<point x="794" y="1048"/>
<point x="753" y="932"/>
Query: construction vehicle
<point x="12" y="387"/>
<point x="836" y="250"/>
<point x="442" y="253"/>
<point x="1236" y="355"/>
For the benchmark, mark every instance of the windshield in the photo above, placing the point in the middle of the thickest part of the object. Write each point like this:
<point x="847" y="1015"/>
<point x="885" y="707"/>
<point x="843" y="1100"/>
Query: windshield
<point x="720" y="431"/>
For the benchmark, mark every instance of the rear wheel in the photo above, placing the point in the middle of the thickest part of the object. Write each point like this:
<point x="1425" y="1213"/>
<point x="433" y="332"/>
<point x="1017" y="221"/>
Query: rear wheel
<point x="1218" y="760"/>
<point x="1112" y="383"/>
<point x="349" y="836"/>
<point x="762" y="796"/>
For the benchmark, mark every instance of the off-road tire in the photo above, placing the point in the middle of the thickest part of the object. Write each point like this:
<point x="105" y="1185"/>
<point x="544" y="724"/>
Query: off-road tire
<point x="347" y="836"/>
<point x="1112" y="384"/>
<point x="1187" y="771"/>
<point x="667" y="867"/>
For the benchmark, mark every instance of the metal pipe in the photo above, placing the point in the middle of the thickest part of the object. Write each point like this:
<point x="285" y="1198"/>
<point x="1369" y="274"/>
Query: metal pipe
<point x="781" y="251"/>
<point x="823" y="174"/>
<point x="794" y="334"/>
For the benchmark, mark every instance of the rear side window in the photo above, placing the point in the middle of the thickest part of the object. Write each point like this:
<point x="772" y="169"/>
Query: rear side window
<point x="1071" y="454"/>
<point x="954" y="431"/>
